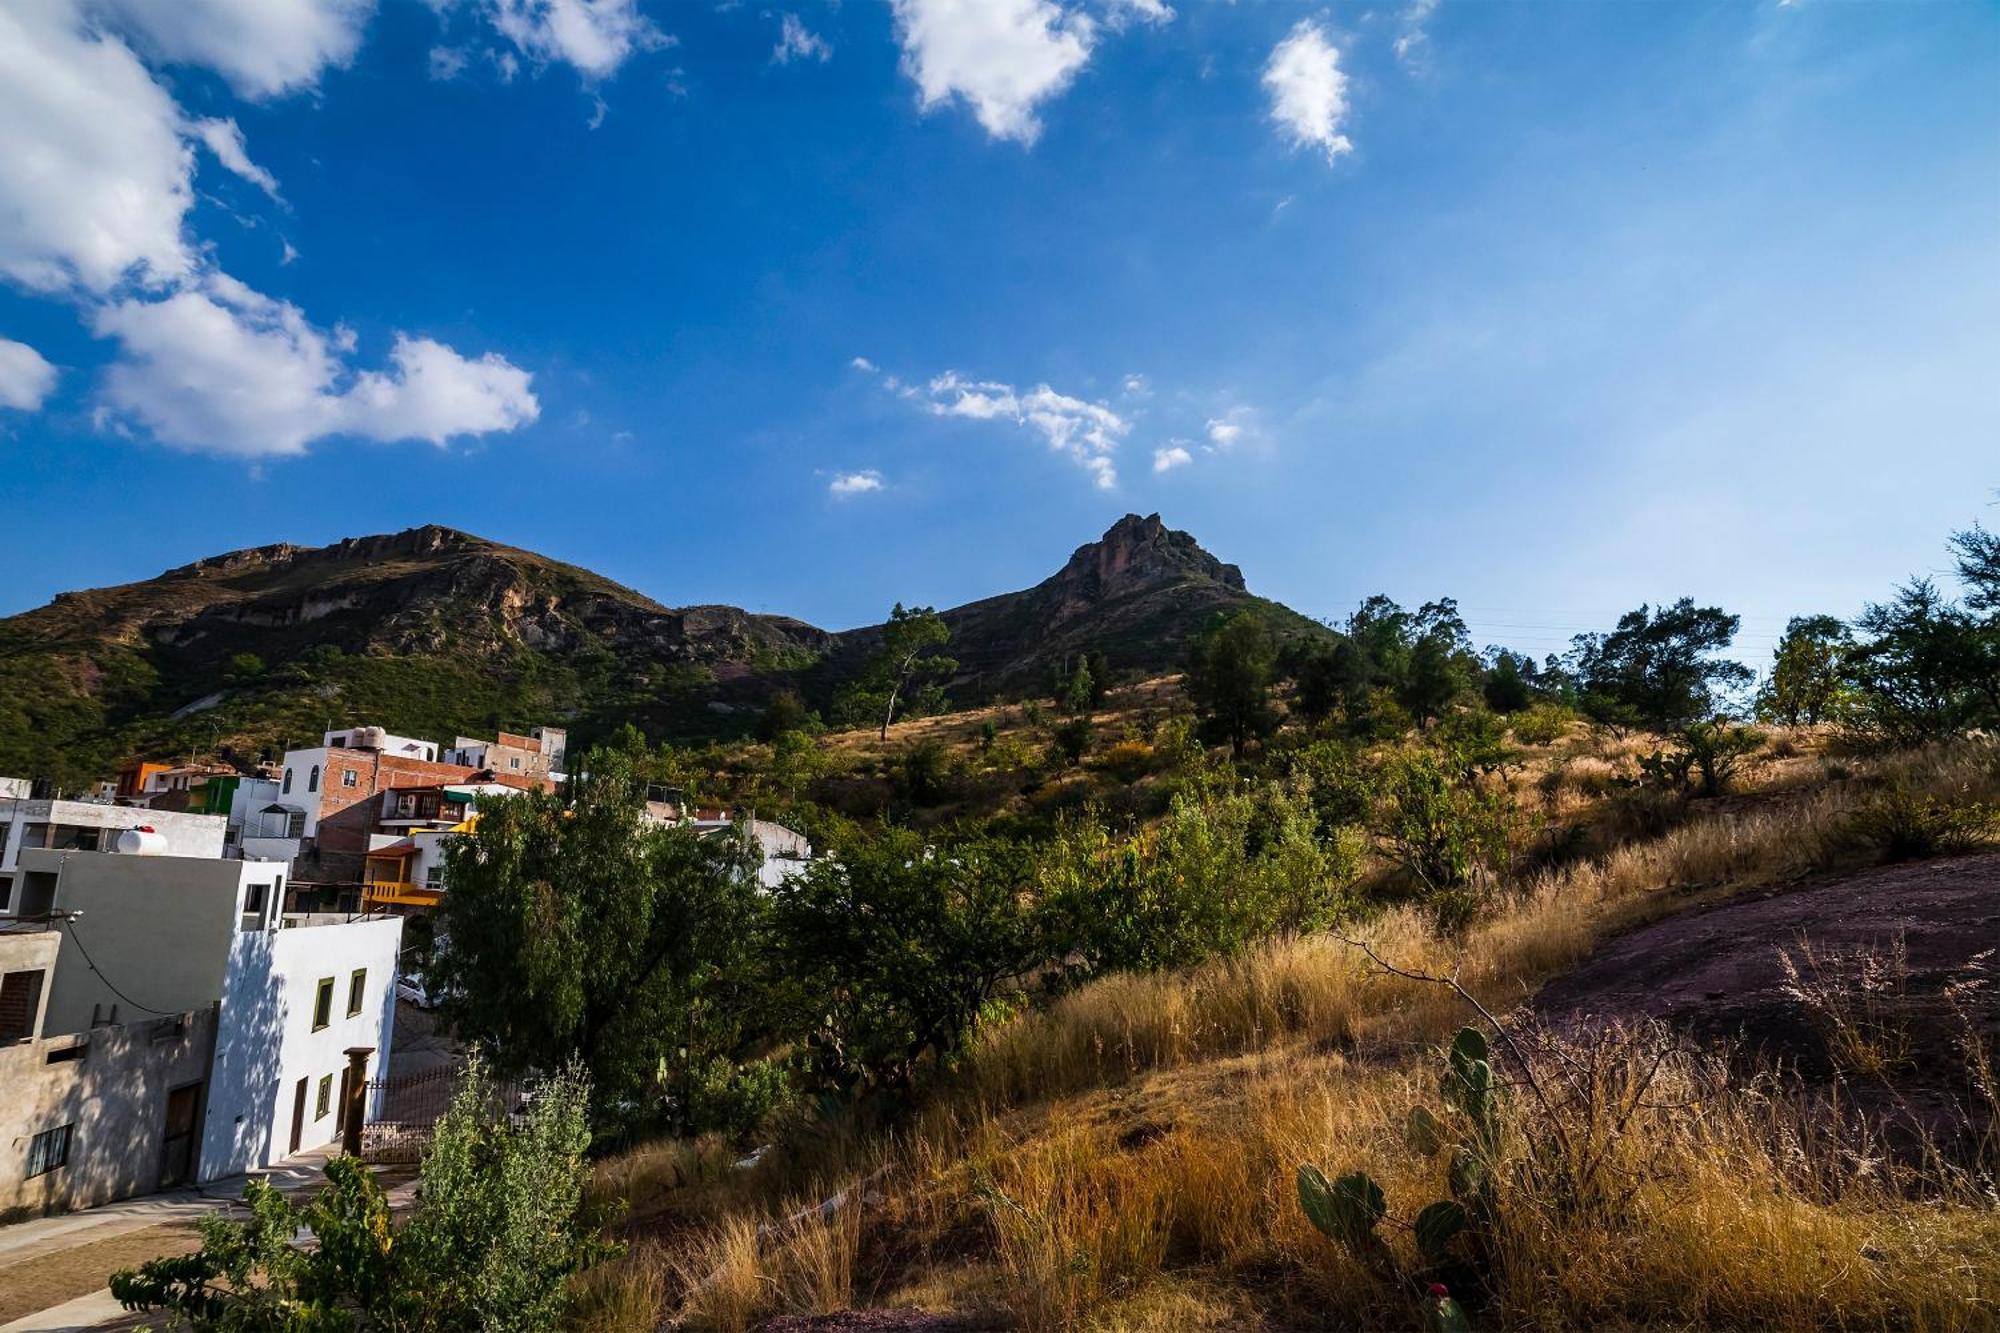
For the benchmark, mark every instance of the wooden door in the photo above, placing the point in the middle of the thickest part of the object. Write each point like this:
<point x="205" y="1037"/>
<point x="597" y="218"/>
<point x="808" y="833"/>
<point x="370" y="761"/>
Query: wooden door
<point x="299" y="1115"/>
<point x="178" y="1141"/>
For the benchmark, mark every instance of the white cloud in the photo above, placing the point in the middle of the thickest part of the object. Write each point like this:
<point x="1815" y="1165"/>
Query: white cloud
<point x="596" y="36"/>
<point x="1087" y="432"/>
<point x="1002" y="57"/>
<point x="225" y="140"/>
<point x="863" y="364"/>
<point x="1119" y="13"/>
<point x="448" y="62"/>
<point x="1136" y="386"/>
<point x="1412" y="44"/>
<point x="1308" y="91"/>
<point x="1228" y="429"/>
<point x="1171" y="457"/>
<point x="223" y="369"/>
<point x="433" y="393"/>
<point x="94" y="173"/>
<point x="263" y="47"/>
<point x="849" y="484"/>
<point x="798" y="42"/>
<point x="25" y="376"/>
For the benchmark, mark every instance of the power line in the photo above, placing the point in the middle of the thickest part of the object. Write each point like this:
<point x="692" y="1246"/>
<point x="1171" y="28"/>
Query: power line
<point x="70" y="926"/>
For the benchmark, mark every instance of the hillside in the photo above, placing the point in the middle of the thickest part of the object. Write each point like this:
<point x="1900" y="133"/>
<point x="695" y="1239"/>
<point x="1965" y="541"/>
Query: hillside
<point x="433" y="631"/>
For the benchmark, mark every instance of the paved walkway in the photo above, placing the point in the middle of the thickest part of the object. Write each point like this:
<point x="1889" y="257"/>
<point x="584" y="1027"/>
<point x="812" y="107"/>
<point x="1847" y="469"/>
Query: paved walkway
<point x="42" y="1241"/>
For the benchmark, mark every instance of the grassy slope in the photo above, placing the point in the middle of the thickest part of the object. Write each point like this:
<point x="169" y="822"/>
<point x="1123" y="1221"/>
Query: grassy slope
<point x="1124" y="1160"/>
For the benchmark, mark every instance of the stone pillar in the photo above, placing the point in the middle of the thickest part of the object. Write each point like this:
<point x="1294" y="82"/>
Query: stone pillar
<point x="356" y="1110"/>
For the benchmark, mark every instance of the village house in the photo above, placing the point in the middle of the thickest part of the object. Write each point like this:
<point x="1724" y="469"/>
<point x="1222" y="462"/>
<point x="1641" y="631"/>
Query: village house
<point x="153" y="950"/>
<point x="28" y="824"/>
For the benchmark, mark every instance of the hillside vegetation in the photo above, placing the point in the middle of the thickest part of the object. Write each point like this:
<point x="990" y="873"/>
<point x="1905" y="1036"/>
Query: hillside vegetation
<point x="434" y="632"/>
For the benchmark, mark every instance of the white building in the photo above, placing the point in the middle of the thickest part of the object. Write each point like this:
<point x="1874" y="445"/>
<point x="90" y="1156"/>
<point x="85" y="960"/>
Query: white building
<point x="86" y="1118"/>
<point x="92" y="826"/>
<point x="147" y="935"/>
<point x="782" y="852"/>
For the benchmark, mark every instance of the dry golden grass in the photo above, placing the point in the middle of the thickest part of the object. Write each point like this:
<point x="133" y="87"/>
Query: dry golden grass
<point x="1123" y="1160"/>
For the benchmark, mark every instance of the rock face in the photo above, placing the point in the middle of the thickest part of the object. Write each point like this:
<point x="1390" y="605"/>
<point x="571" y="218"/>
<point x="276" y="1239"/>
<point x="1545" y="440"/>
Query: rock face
<point x="434" y="630"/>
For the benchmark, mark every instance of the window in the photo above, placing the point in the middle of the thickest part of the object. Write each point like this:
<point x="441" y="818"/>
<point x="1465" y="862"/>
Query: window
<point x="49" y="1150"/>
<point x="434" y="876"/>
<point x="295" y="823"/>
<point x="20" y="1001"/>
<point x="349" y="778"/>
<point x="285" y="787"/>
<point x="254" y="898"/>
<point x="312" y="779"/>
<point x="356" y="984"/>
<point x="324" y="1102"/>
<point x="514" y="761"/>
<point x="6" y="891"/>
<point x="323" y="1004"/>
<point x="64" y="1054"/>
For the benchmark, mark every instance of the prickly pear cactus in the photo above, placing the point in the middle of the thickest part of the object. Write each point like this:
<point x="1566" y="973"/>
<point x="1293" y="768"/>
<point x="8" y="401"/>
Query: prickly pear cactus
<point x="1346" y="1209"/>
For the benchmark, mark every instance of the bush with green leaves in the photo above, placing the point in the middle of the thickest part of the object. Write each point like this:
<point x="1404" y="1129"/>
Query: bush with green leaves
<point x="1702" y="760"/>
<point x="1906" y="825"/>
<point x="1219" y="870"/>
<point x="890" y="947"/>
<point x="1454" y="1237"/>
<point x="498" y="1230"/>
<point x="1544" y="724"/>
<point x="1450" y="834"/>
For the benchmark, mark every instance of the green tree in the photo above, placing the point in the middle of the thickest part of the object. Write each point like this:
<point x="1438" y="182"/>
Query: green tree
<point x="1506" y="688"/>
<point x="907" y="656"/>
<point x="1438" y="661"/>
<point x="1809" y="672"/>
<point x="1229" y="679"/>
<point x="1078" y="689"/>
<point x="893" y="947"/>
<point x="1071" y="740"/>
<point x="576" y="927"/>
<point x="499" y="1228"/>
<point x="1928" y="667"/>
<point x="1658" y="667"/>
<point x="785" y="712"/>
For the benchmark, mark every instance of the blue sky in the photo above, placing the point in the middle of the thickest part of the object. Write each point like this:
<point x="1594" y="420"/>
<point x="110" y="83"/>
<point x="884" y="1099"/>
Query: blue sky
<point x="1553" y="308"/>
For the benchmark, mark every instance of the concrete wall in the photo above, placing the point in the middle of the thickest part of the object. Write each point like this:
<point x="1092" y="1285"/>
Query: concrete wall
<point x="154" y="933"/>
<point x="115" y="1096"/>
<point x="186" y="834"/>
<point x="266" y="1041"/>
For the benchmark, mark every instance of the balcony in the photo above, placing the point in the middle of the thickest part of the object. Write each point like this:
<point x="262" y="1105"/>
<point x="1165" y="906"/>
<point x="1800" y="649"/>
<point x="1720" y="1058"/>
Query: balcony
<point x="397" y="893"/>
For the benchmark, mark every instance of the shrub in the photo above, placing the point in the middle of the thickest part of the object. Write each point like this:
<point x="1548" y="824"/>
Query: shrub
<point x="1544" y="724"/>
<point x="498" y="1230"/>
<point x="1445" y="831"/>
<point x="1128" y="760"/>
<point x="1906" y="825"/>
<point x="1072" y="740"/>
<point x="1703" y="759"/>
<point x="1216" y="873"/>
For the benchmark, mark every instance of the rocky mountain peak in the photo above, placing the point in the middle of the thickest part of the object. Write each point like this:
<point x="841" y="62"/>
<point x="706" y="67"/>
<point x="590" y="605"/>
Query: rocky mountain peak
<point x="1139" y="553"/>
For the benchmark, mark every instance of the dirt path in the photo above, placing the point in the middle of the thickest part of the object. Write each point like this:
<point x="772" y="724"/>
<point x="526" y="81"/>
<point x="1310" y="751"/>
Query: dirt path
<point x="1714" y="972"/>
<point x="40" y="1283"/>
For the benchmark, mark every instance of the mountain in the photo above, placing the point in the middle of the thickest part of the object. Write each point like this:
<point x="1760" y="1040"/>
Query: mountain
<point x="434" y="632"/>
<point x="1139" y="595"/>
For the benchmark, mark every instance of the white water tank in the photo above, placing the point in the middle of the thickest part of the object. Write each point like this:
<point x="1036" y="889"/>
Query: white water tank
<point x="142" y="841"/>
